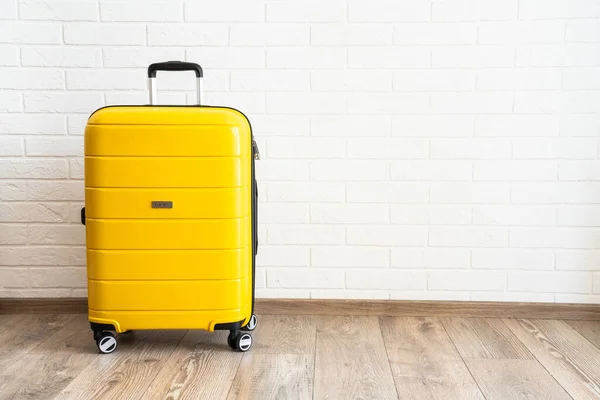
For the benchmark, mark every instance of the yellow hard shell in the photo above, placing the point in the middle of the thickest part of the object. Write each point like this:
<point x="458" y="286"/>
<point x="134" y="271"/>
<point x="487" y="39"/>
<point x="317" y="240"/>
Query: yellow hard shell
<point x="184" y="267"/>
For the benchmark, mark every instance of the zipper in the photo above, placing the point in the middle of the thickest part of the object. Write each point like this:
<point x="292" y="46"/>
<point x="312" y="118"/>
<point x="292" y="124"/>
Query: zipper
<point x="255" y="150"/>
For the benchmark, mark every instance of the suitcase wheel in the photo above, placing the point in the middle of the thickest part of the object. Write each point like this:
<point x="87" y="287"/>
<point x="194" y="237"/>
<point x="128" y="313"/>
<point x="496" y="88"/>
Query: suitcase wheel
<point x="251" y="324"/>
<point x="106" y="342"/>
<point x="239" y="340"/>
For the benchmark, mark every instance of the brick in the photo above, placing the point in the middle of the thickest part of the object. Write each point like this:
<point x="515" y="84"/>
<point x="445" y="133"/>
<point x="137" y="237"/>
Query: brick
<point x="431" y="170"/>
<point x="61" y="57"/>
<point x="305" y="234"/>
<point x="472" y="103"/>
<point x="104" y="34"/>
<point x="57" y="147"/>
<point x="12" y="190"/>
<point x="596" y="282"/>
<point x="576" y="101"/>
<point x="306" y="11"/>
<point x="305" y="278"/>
<point x="577" y="298"/>
<point x="281" y="125"/>
<point x="57" y="234"/>
<point x="300" y="147"/>
<point x="105" y="79"/>
<point x="537" y="102"/>
<point x="351" y="35"/>
<point x="228" y="57"/>
<point x="546" y="148"/>
<point x="305" y="103"/>
<point x="13" y="234"/>
<point x="468" y="237"/>
<point x="75" y="212"/>
<point x="479" y="56"/>
<point x="386" y="235"/>
<point x="260" y="280"/>
<point x="429" y="214"/>
<point x="566" y="238"/>
<point x="388" y="11"/>
<point x="8" y="9"/>
<point x="9" y="55"/>
<point x="63" y="10"/>
<point x="161" y="11"/>
<point x="387" y="148"/>
<point x="282" y="293"/>
<point x="272" y="34"/>
<point x="344" y="294"/>
<point x="470" y="149"/>
<point x="349" y="256"/>
<point x="391" y="279"/>
<point x="63" y="102"/>
<point x="429" y="295"/>
<point x="514" y="215"/>
<point x="555" y="193"/>
<point x="121" y="97"/>
<point x="376" y="57"/>
<point x="513" y="297"/>
<point x="349" y="170"/>
<point x="387" y="192"/>
<point x="41" y="293"/>
<point x="430" y="258"/>
<point x="33" y="212"/>
<point x="270" y="80"/>
<point x="349" y="214"/>
<point x="282" y="170"/>
<point x="11" y="146"/>
<point x="21" y="78"/>
<point x="542" y="9"/>
<point x="581" y="78"/>
<point x="55" y="191"/>
<point x="579" y="215"/>
<point x="549" y="282"/>
<point x="76" y="124"/>
<point x="579" y="171"/>
<point x="466" y="280"/>
<point x="13" y="277"/>
<point x="388" y="103"/>
<point x="432" y="125"/>
<point x="306" y="191"/>
<point x="580" y="101"/>
<point x="559" y="55"/>
<point x="76" y="169"/>
<point x="434" y="80"/>
<point x="519" y="79"/>
<point x="57" y="277"/>
<point x="283" y="256"/>
<point x="515" y="170"/>
<point x="521" y="32"/>
<point x="431" y="34"/>
<point x="283" y="213"/>
<point x="512" y="259"/>
<point x="350" y="80"/>
<point x="583" y="31"/>
<point x="33" y="169"/>
<point x="141" y="57"/>
<point x="516" y="125"/>
<point x="14" y="32"/>
<point x="470" y="193"/>
<point x="350" y="125"/>
<point x="577" y="260"/>
<point x="300" y="57"/>
<point x="33" y="124"/>
<point x="474" y="10"/>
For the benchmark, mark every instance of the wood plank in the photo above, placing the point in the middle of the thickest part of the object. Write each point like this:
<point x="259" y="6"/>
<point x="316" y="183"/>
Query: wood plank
<point x="334" y="307"/>
<point x="274" y="376"/>
<point x="74" y="337"/>
<point x="351" y="360"/>
<point x="425" y="363"/>
<point x="588" y="329"/>
<point x="201" y="367"/>
<point x="126" y="373"/>
<point x="484" y="338"/>
<point x="570" y="358"/>
<point x="515" y="380"/>
<point x="285" y="334"/>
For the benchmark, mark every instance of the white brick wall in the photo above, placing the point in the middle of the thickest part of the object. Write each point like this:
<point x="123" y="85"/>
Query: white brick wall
<point x="435" y="150"/>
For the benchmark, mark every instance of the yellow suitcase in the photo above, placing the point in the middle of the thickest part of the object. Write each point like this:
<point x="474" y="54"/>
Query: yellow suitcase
<point x="171" y="218"/>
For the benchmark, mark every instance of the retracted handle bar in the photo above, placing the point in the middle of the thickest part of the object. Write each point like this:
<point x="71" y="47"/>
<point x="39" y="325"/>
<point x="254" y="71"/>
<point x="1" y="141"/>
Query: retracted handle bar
<point x="174" y="66"/>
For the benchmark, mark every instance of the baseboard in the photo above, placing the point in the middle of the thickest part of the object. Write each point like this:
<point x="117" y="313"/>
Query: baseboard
<point x="400" y="308"/>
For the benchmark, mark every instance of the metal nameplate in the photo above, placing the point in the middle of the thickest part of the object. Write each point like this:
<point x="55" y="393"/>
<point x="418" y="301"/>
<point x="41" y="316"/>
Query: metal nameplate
<point x="162" y="204"/>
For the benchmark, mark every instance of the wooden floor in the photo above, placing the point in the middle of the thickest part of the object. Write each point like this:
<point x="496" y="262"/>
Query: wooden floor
<point x="304" y="357"/>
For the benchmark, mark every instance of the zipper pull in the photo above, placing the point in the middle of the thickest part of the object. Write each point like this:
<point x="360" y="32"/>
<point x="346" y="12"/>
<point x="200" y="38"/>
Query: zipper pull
<point x="255" y="150"/>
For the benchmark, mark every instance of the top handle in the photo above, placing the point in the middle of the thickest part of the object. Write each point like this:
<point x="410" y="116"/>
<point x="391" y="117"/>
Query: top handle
<point x="174" y="66"/>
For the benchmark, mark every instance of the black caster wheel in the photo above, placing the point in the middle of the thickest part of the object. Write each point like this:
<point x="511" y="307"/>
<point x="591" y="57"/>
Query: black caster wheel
<point x="231" y="340"/>
<point x="243" y="341"/>
<point x="106" y="342"/>
<point x="251" y="324"/>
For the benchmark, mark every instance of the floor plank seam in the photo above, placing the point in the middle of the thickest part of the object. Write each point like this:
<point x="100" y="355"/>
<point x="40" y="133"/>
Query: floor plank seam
<point x="237" y="371"/>
<point x="387" y="354"/>
<point x="582" y="335"/>
<point x="315" y="360"/>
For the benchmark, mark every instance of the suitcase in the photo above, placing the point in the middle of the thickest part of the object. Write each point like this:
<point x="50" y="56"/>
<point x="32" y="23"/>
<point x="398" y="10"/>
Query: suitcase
<point x="170" y="218"/>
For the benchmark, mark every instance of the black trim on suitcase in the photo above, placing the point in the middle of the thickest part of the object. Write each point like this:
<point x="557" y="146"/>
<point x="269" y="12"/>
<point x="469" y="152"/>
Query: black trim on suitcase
<point x="230" y="326"/>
